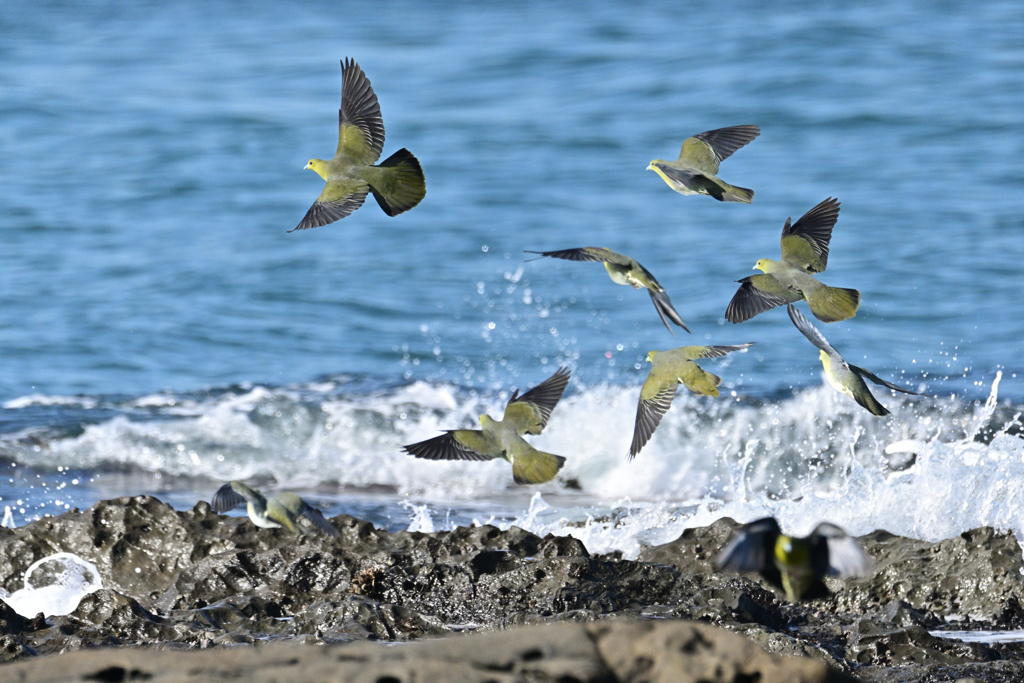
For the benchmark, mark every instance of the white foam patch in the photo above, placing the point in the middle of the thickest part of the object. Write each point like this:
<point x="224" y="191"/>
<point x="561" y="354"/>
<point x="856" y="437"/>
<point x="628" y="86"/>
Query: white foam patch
<point x="816" y="456"/>
<point x="54" y="585"/>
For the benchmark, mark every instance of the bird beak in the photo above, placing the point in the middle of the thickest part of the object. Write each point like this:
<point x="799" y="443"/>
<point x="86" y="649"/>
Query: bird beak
<point x="306" y="166"/>
<point x="754" y="268"/>
<point x="650" y="167"/>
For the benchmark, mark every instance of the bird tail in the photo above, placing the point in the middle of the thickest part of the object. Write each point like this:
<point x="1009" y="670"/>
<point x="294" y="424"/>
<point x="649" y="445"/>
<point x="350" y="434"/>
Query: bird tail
<point x="705" y="384"/>
<point x="831" y="304"/>
<point x="665" y="309"/>
<point x="536" y="467"/>
<point x="400" y="185"/>
<point x="736" y="194"/>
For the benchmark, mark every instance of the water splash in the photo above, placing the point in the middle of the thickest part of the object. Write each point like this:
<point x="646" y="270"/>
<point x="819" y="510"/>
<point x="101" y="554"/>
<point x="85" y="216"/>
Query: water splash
<point x="54" y="585"/>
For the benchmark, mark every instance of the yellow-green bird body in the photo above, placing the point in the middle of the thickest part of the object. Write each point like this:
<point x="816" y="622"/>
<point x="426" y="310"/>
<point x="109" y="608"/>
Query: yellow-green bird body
<point x="696" y="169"/>
<point x="669" y="369"/>
<point x="804" y="252"/>
<point x="794" y="564"/>
<point x="397" y="183"/>
<point x="845" y="378"/>
<point x="624" y="270"/>
<point x="526" y="414"/>
<point x="282" y="510"/>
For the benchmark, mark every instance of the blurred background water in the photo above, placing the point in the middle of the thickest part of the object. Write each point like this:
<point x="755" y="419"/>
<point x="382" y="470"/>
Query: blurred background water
<point x="160" y="331"/>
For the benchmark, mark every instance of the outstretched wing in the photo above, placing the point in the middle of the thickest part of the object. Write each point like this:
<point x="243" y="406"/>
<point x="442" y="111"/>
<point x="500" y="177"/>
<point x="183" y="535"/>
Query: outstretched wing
<point x="338" y="199"/>
<point x="878" y="380"/>
<point x="695" y="352"/>
<point x="752" y="297"/>
<point x="360" y="126"/>
<point x="655" y="400"/>
<point x="226" y="498"/>
<point x="529" y="413"/>
<point x="586" y="254"/>
<point x="805" y="243"/>
<point x="810" y="331"/>
<point x="456" y="444"/>
<point x="846" y="558"/>
<point x="705" y="151"/>
<point x="751" y="550"/>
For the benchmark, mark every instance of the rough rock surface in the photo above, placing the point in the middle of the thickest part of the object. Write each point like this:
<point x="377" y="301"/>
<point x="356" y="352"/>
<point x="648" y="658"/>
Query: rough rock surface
<point x="606" y="652"/>
<point x="194" y="579"/>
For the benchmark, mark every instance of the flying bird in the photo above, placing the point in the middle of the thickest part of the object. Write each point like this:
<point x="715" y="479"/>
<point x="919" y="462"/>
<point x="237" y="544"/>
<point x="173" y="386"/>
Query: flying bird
<point x="624" y="271"/>
<point x="282" y="510"/>
<point x="669" y="369"/>
<point x="396" y="183"/>
<point x="792" y="564"/>
<point x="804" y="251"/>
<point x="694" y="172"/>
<point x="526" y="414"/>
<point x="845" y="378"/>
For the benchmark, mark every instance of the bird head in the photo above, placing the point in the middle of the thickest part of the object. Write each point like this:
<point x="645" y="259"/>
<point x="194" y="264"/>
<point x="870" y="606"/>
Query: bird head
<point x="486" y="420"/>
<point x="762" y="265"/>
<point x="823" y="356"/>
<point x="318" y="165"/>
<point x="650" y="166"/>
<point x="792" y="553"/>
<point x="651" y="355"/>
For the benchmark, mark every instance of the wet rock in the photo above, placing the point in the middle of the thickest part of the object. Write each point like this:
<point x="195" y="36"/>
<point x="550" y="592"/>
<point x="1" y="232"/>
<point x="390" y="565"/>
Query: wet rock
<point x="194" y="579"/>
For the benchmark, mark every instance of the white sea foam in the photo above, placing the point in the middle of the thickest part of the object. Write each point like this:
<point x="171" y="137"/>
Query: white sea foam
<point x="923" y="471"/>
<point x="54" y="585"/>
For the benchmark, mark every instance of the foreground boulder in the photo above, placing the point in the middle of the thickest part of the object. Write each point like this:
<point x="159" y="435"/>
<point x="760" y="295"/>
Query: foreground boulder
<point x="653" y="651"/>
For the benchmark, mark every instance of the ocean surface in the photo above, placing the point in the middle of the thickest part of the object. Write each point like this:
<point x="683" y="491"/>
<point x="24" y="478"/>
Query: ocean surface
<point x="161" y="332"/>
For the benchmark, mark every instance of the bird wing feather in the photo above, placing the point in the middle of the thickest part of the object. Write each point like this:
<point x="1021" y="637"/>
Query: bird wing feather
<point x="724" y="141"/>
<point x="878" y="380"/>
<point x="753" y="297"/>
<point x="585" y="254"/>
<point x="811" y="332"/>
<point x="845" y="556"/>
<point x="655" y="399"/>
<point x="338" y="199"/>
<point x="529" y="413"/>
<point x="456" y="444"/>
<point x="695" y="352"/>
<point x="805" y="243"/>
<point x="360" y="126"/>
<point x="226" y="498"/>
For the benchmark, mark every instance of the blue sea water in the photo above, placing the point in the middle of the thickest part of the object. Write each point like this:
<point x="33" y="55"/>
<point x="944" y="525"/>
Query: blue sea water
<point x="161" y="331"/>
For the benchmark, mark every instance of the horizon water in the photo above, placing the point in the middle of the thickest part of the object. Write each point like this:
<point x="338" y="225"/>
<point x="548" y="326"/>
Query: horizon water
<point x="161" y="332"/>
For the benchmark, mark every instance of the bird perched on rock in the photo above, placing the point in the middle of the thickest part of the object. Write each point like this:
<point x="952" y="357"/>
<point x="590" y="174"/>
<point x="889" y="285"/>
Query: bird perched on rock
<point x="845" y="378"/>
<point x="694" y="172"/>
<point x="804" y="251"/>
<point x="396" y="183"/>
<point x="526" y="414"/>
<point x="792" y="564"/>
<point x="282" y="510"/>
<point x="624" y="271"/>
<point x="669" y="369"/>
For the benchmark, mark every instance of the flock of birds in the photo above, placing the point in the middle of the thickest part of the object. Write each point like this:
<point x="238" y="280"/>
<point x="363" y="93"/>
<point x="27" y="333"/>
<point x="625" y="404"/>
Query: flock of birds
<point x="793" y="564"/>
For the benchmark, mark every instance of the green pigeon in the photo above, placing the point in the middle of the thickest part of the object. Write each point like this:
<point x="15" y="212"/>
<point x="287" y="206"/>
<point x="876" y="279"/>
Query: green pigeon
<point x="804" y="251"/>
<point x="792" y="564"/>
<point x="396" y="183"/>
<point x="694" y="172"/>
<point x="624" y="271"/>
<point x="845" y="378"/>
<point x="282" y="510"/>
<point x="526" y="414"/>
<point x="669" y="369"/>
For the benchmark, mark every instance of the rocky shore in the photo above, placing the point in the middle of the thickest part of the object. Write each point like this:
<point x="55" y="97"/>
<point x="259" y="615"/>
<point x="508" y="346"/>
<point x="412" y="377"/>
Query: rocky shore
<point x="481" y="604"/>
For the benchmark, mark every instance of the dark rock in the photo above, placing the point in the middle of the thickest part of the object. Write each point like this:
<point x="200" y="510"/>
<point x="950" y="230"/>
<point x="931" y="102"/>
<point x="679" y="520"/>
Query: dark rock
<point x="193" y="579"/>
